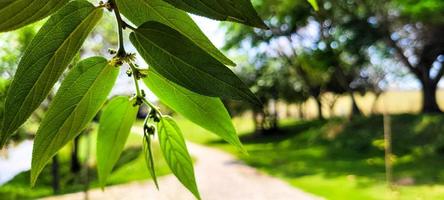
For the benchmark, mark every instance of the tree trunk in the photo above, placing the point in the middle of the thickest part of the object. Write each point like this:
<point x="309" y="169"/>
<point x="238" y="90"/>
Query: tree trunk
<point x="355" y="108"/>
<point x="422" y="71"/>
<point x="257" y="122"/>
<point x="375" y="103"/>
<point x="55" y="174"/>
<point x="75" y="162"/>
<point x="319" y="103"/>
<point x="331" y="105"/>
<point x="288" y="110"/>
<point x="429" y="103"/>
<point x="301" y="110"/>
<point x="275" y="116"/>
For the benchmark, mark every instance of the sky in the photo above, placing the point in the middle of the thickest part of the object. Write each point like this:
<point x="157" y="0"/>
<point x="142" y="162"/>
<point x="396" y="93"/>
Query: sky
<point x="211" y="29"/>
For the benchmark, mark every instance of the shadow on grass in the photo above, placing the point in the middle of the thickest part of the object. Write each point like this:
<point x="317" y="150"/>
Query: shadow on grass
<point x="341" y="148"/>
<point x="283" y="133"/>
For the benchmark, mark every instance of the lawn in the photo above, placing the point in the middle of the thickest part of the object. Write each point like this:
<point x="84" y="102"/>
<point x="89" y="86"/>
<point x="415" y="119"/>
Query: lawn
<point x="341" y="159"/>
<point x="335" y="158"/>
<point x="130" y="167"/>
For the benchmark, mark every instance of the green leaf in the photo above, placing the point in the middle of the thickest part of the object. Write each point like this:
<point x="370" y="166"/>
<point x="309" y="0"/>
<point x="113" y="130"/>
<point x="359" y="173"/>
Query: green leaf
<point x="80" y="97"/>
<point x="181" y="61"/>
<point x="140" y="11"/>
<point x="115" y="125"/>
<point x="241" y="11"/>
<point x="18" y="13"/>
<point x="314" y="4"/>
<point x="176" y="153"/>
<point x="149" y="159"/>
<point x="45" y="59"/>
<point x="207" y="112"/>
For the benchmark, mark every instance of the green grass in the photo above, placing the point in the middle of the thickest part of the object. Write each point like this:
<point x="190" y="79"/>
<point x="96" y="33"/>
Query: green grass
<point x="340" y="159"/>
<point x="131" y="167"/>
<point x="335" y="159"/>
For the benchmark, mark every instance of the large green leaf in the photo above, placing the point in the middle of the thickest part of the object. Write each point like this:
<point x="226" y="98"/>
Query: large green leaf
<point x="18" y="13"/>
<point x="181" y="61"/>
<point x="241" y="11"/>
<point x="115" y="125"/>
<point x="176" y="153"/>
<point x="44" y="61"/>
<point x="141" y="11"/>
<point x="80" y="97"/>
<point x="207" y="112"/>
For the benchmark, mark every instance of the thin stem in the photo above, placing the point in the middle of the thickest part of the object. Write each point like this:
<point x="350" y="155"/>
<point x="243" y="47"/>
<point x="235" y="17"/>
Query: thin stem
<point x="120" y="26"/>
<point x="126" y="25"/>
<point x="152" y="106"/>
<point x="138" y="93"/>
<point x="145" y="122"/>
<point x="122" y="53"/>
<point x="136" y="82"/>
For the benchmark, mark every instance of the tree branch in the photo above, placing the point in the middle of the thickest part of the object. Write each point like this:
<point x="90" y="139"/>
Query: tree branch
<point x="400" y="53"/>
<point x="302" y="74"/>
<point x="439" y="75"/>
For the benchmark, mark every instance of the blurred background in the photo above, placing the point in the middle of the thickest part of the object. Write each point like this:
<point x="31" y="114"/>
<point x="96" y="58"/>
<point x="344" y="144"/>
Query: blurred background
<point x="353" y="110"/>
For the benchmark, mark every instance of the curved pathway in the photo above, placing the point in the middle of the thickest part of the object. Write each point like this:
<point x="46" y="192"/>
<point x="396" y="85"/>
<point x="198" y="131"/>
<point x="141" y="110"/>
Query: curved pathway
<point x="220" y="176"/>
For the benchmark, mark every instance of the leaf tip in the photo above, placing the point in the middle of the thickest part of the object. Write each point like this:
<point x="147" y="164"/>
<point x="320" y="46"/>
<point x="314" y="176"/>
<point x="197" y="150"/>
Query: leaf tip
<point x="102" y="184"/>
<point x="264" y="26"/>
<point x="157" y="185"/>
<point x="36" y="167"/>
<point x="240" y="147"/>
<point x="314" y="4"/>
<point x="2" y="142"/>
<point x="4" y="135"/>
<point x="244" y="151"/>
<point x="197" y="194"/>
<point x="231" y="63"/>
<point x="257" y="103"/>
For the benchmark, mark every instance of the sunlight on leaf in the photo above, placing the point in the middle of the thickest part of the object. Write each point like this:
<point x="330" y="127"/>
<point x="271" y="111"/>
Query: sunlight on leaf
<point x="114" y="127"/>
<point x="80" y="97"/>
<point x="176" y="153"/>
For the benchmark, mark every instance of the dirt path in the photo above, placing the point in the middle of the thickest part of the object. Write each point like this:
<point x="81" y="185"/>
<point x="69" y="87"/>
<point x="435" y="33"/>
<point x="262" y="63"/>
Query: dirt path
<point x="219" y="175"/>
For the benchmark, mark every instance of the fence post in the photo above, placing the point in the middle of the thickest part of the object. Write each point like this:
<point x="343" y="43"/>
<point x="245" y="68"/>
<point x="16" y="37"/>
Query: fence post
<point x="388" y="149"/>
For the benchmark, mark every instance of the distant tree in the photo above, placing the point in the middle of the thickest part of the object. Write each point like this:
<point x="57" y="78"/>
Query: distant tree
<point x="271" y="81"/>
<point x="12" y="47"/>
<point x="309" y="42"/>
<point x="4" y="85"/>
<point x="292" y="90"/>
<point x="410" y="29"/>
<point x="263" y="77"/>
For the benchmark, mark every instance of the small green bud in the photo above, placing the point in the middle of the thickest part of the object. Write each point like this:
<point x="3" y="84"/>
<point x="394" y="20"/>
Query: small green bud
<point x="129" y="72"/>
<point x="149" y="129"/>
<point x="156" y="119"/>
<point x="112" y="51"/>
<point x="139" y="100"/>
<point x="143" y="93"/>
